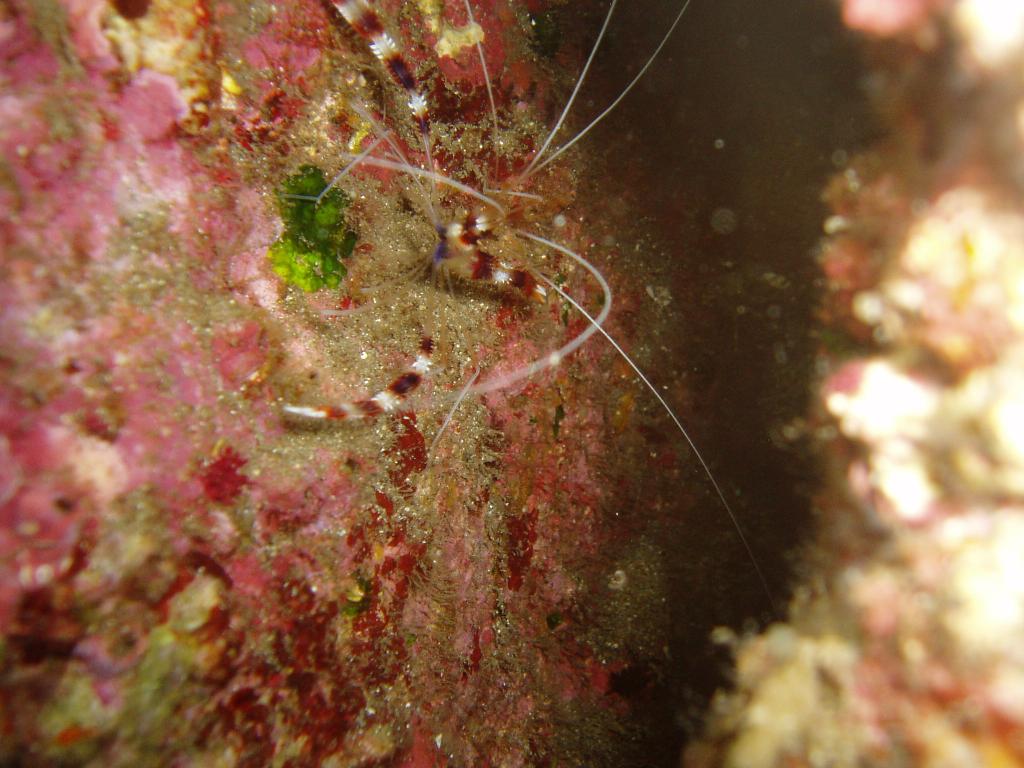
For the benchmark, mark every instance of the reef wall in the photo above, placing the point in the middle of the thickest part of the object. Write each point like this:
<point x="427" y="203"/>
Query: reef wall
<point x="190" y="574"/>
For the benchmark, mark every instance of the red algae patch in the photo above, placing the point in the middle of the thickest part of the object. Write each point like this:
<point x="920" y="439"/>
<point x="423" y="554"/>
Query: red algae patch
<point x="222" y="481"/>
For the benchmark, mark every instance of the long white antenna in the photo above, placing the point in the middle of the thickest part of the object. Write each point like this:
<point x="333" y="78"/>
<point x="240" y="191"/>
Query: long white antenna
<point x="579" y="83"/>
<point x="352" y="163"/>
<point x="391" y="165"/>
<point x="451" y="411"/>
<point x="533" y="169"/>
<point x="380" y="130"/>
<point x="490" y="92"/>
<point x="682" y="429"/>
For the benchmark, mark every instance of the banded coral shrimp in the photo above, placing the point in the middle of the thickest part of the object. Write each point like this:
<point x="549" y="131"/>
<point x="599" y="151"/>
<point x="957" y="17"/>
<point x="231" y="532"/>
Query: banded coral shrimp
<point x="462" y="238"/>
<point x="499" y="464"/>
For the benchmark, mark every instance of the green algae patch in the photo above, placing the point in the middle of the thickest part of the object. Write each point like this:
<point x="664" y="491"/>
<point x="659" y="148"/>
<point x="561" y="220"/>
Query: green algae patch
<point x="316" y="238"/>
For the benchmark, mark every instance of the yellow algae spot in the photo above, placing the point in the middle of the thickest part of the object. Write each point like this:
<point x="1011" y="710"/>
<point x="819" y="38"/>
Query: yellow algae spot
<point x="431" y="10"/>
<point x="377" y="742"/>
<point x="454" y="39"/>
<point x="28" y="528"/>
<point x="190" y="609"/>
<point x="354" y="144"/>
<point x="355" y="593"/>
<point x="378" y="553"/>
<point x="623" y="411"/>
<point x="229" y="84"/>
<point x="360" y="128"/>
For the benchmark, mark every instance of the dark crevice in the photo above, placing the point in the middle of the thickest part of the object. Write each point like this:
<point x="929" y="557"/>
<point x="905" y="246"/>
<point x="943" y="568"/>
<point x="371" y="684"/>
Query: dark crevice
<point x="724" y="150"/>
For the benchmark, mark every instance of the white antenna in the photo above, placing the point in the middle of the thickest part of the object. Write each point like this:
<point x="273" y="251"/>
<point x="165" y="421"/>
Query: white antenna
<point x="679" y="424"/>
<point x="576" y="90"/>
<point x="534" y="168"/>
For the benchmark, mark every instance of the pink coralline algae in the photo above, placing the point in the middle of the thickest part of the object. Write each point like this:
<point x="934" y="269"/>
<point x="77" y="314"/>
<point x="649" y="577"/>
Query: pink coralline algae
<point x="188" y="577"/>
